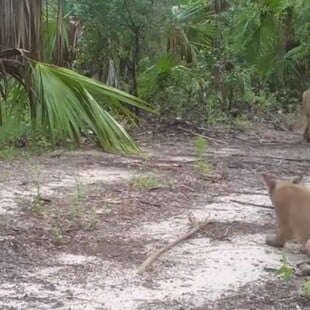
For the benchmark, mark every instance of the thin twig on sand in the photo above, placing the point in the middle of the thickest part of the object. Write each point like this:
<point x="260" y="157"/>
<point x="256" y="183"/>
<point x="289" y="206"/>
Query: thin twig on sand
<point x="211" y="140"/>
<point x="302" y="160"/>
<point x="196" y="227"/>
<point x="251" y="204"/>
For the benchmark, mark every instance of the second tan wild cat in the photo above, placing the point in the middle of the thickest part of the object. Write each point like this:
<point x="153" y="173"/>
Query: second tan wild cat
<point x="291" y="201"/>
<point x="302" y="121"/>
<point x="306" y="110"/>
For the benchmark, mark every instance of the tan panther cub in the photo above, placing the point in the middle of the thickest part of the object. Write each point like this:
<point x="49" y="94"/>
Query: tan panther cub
<point x="292" y="206"/>
<point x="291" y="201"/>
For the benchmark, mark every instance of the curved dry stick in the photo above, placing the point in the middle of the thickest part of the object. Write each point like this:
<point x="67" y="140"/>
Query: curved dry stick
<point x="159" y="252"/>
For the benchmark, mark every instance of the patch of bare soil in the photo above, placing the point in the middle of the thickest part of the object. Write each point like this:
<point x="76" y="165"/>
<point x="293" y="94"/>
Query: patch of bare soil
<point x="75" y="226"/>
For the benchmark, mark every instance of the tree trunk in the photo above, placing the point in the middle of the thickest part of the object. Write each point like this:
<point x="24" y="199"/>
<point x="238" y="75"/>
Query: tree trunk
<point x="59" y="48"/>
<point x="133" y="70"/>
<point x="21" y="26"/>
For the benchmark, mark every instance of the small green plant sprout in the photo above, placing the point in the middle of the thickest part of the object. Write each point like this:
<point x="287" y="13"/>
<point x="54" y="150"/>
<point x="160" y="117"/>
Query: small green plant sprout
<point x="201" y="147"/>
<point x="286" y="270"/>
<point x="9" y="153"/>
<point x="202" y="166"/>
<point x="92" y="220"/>
<point x="305" y="288"/>
<point x="58" y="237"/>
<point x="242" y="123"/>
<point x="147" y="182"/>
<point x="77" y="206"/>
<point x="37" y="205"/>
<point x="81" y="191"/>
<point x="78" y="214"/>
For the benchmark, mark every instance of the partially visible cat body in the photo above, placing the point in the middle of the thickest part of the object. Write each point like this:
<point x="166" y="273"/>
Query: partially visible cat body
<point x="291" y="201"/>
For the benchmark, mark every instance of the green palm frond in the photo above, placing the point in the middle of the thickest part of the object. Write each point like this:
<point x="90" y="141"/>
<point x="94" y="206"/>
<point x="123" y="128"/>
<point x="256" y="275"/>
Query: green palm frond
<point x="295" y="57"/>
<point x="194" y="28"/>
<point x="190" y="12"/>
<point x="165" y="62"/>
<point x="203" y="33"/>
<point x="148" y="80"/>
<point x="303" y="19"/>
<point x="257" y="35"/>
<point x="66" y="102"/>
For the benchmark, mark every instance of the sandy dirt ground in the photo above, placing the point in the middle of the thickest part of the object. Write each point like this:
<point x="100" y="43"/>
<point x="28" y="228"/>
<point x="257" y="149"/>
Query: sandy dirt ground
<point x="75" y="225"/>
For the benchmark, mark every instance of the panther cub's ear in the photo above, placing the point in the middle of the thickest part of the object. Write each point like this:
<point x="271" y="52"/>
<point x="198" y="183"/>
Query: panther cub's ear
<point x="270" y="181"/>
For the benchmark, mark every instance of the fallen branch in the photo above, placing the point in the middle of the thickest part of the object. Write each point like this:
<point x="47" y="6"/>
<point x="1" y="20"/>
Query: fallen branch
<point x="157" y="205"/>
<point x="248" y="193"/>
<point x="211" y="140"/>
<point x="250" y="204"/>
<point x="196" y="227"/>
<point x="272" y="157"/>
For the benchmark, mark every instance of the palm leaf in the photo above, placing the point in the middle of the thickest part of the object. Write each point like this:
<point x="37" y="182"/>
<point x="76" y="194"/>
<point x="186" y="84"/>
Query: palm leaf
<point x="66" y="102"/>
